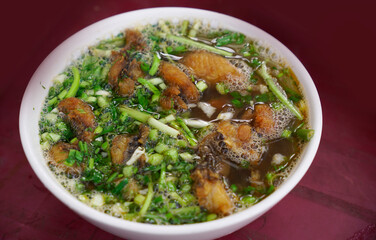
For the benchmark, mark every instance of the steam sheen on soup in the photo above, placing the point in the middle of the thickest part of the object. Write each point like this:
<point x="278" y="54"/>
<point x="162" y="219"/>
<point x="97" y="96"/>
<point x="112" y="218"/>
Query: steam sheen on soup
<point x="174" y="123"/>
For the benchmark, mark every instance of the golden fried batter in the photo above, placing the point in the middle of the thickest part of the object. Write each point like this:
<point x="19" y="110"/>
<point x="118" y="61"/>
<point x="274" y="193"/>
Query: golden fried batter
<point x="263" y="119"/>
<point x="134" y="70"/>
<point x="174" y="76"/>
<point x="124" y="145"/>
<point x="210" y="192"/>
<point x="211" y="67"/>
<point x="119" y="148"/>
<point x="133" y="40"/>
<point x="117" y="67"/>
<point x="80" y="116"/>
<point x="59" y="153"/>
<point x="170" y="98"/>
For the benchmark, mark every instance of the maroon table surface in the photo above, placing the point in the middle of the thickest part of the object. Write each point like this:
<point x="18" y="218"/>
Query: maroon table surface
<point x="335" y="40"/>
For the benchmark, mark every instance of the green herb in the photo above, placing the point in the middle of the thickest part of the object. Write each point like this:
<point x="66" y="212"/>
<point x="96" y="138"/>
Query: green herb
<point x="273" y="87"/>
<point x="76" y="83"/>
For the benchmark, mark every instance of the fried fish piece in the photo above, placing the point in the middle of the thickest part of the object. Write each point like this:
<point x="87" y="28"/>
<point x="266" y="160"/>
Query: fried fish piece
<point x="211" y="192"/>
<point x="123" y="86"/>
<point x="133" y="40"/>
<point x="119" y="149"/>
<point x="124" y="145"/>
<point x="114" y="74"/>
<point x="170" y="99"/>
<point x="80" y="116"/>
<point x="59" y="153"/>
<point x="264" y="119"/>
<point x="174" y="76"/>
<point x="211" y="67"/>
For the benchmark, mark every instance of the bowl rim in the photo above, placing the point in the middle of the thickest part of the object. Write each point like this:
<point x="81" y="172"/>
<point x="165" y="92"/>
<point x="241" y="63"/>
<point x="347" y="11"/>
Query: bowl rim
<point x="235" y="219"/>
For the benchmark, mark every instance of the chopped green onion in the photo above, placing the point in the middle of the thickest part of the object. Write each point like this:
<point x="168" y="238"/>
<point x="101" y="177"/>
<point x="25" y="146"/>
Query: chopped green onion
<point x="273" y="87"/>
<point x="286" y="133"/>
<point x="182" y="143"/>
<point x="147" y="118"/>
<point x="145" y="67"/>
<point x="201" y="86"/>
<point x="112" y="177"/>
<point x="192" y="142"/>
<point x="163" y="127"/>
<point x="149" y="85"/>
<point x="139" y="116"/>
<point x="164" y="27"/>
<point x="148" y="199"/>
<point x="186" y="156"/>
<point x="120" y="187"/>
<point x="172" y="154"/>
<point x="128" y="171"/>
<point x="305" y="134"/>
<point x="153" y="135"/>
<point x="103" y="102"/>
<point x="155" y="65"/>
<point x="62" y="95"/>
<point x="52" y="101"/>
<point x="155" y="159"/>
<point x="184" y="27"/>
<point x="161" y="147"/>
<point x="75" y="85"/>
<point x="222" y="88"/>
<point x="162" y="177"/>
<point x="156" y="81"/>
<point x="248" y="200"/>
<point x="197" y="44"/>
<point x="194" y="29"/>
<point x="176" y="197"/>
<point x="185" y="127"/>
<point x="91" y="163"/>
<point x="211" y="217"/>
<point x="186" y="210"/>
<point x="139" y="199"/>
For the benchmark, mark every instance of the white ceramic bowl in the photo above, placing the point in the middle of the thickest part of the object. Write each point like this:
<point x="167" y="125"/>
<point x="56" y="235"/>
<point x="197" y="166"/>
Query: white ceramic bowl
<point x="70" y="49"/>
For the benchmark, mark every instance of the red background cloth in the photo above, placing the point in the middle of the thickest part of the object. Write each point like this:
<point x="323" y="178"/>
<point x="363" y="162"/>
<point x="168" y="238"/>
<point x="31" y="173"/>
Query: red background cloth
<point x="335" y="40"/>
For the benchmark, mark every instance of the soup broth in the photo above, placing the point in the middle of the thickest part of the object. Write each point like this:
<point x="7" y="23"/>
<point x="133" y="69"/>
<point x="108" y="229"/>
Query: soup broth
<point x="174" y="123"/>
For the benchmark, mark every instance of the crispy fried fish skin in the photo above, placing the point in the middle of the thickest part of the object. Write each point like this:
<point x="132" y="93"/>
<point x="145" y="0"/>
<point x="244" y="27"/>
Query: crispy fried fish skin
<point x="211" y="67"/>
<point x="134" y="70"/>
<point x="263" y="119"/>
<point x="59" y="153"/>
<point x="133" y="40"/>
<point x="210" y="192"/>
<point x="117" y="67"/>
<point x="238" y="140"/>
<point x="80" y="116"/>
<point x="123" y="86"/>
<point x="124" y="145"/>
<point x="119" y="148"/>
<point x="174" y="76"/>
<point x="126" y="87"/>
<point x="170" y="99"/>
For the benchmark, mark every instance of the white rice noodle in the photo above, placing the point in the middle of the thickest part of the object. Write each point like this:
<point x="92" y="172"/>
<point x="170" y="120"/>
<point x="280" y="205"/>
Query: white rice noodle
<point x="136" y="155"/>
<point x="208" y="109"/>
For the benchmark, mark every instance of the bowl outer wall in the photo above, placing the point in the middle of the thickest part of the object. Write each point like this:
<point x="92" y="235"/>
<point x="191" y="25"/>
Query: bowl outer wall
<point x="74" y="46"/>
